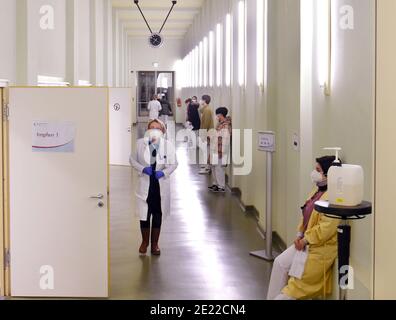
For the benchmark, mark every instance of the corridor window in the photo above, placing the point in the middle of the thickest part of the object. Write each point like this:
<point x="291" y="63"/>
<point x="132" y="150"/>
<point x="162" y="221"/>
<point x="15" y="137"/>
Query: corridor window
<point x="211" y="59"/>
<point x="219" y="54"/>
<point x="205" y="62"/>
<point x="191" y="62"/>
<point x="228" y="54"/>
<point x="241" y="42"/>
<point x="200" y="64"/>
<point x="196" y="66"/>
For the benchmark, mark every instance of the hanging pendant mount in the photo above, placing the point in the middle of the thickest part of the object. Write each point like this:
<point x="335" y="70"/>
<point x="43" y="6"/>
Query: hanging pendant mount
<point x="155" y="38"/>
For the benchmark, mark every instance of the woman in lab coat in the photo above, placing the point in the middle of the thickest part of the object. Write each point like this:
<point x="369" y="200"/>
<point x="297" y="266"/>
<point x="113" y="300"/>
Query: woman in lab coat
<point x="155" y="161"/>
<point x="304" y="270"/>
<point x="154" y="107"/>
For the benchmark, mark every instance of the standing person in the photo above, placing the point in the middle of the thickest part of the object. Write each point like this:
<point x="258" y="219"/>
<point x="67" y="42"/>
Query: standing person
<point x="317" y="238"/>
<point x="166" y="109"/>
<point x="220" y="148"/>
<point x="154" y="107"/>
<point x="207" y="124"/>
<point x="155" y="161"/>
<point x="193" y="115"/>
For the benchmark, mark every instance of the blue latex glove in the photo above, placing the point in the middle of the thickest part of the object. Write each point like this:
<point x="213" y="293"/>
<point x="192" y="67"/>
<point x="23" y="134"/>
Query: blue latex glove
<point x="159" y="175"/>
<point x="148" y="171"/>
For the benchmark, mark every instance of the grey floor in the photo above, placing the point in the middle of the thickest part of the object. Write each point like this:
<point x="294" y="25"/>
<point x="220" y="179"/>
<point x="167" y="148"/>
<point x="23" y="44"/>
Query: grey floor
<point x="205" y="243"/>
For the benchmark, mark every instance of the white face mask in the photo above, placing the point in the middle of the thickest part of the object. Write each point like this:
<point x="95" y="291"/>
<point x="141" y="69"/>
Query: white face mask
<point x="316" y="177"/>
<point x="155" y="135"/>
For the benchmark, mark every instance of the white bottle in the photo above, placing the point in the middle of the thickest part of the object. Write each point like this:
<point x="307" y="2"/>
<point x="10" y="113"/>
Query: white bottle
<point x="345" y="183"/>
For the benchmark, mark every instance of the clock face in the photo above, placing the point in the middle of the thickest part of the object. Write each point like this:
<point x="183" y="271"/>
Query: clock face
<point x="155" y="40"/>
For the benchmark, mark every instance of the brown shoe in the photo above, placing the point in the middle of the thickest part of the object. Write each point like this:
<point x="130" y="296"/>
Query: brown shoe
<point x="155" y="250"/>
<point x="145" y="241"/>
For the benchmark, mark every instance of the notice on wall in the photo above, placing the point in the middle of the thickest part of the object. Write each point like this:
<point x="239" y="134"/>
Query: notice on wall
<point x="53" y="136"/>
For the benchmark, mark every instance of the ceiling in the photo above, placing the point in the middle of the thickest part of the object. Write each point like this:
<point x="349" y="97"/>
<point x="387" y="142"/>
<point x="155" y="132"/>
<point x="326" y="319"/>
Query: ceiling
<point x="155" y="12"/>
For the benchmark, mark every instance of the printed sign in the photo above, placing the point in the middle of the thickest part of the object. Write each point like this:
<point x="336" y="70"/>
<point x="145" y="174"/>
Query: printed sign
<point x="266" y="141"/>
<point x="53" y="136"/>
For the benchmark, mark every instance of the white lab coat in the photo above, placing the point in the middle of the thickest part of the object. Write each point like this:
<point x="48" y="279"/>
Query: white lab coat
<point x="154" y="107"/>
<point x="166" y="162"/>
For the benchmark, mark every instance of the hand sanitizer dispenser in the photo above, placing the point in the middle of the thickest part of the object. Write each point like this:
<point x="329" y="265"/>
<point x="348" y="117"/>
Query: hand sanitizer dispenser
<point x="345" y="183"/>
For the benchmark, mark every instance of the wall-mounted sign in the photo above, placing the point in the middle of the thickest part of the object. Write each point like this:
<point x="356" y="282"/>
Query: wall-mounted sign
<point x="53" y="136"/>
<point x="266" y="141"/>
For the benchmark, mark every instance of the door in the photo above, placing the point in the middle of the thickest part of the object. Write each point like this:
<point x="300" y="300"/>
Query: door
<point x="154" y="82"/>
<point x="120" y="125"/>
<point x="145" y="91"/>
<point x="165" y="88"/>
<point x="58" y="155"/>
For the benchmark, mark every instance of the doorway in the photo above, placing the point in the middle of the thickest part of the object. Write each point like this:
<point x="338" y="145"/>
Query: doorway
<point x="150" y="83"/>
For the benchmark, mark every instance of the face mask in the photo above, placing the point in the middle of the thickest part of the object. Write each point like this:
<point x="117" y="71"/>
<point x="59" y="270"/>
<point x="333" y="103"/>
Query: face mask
<point x="316" y="177"/>
<point x="155" y="135"/>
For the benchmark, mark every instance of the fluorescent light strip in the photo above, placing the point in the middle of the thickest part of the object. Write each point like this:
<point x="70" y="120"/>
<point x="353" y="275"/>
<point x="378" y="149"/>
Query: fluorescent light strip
<point x="228" y="56"/>
<point x="241" y="43"/>
<point x="205" y="62"/>
<point x="200" y="64"/>
<point x="260" y="42"/>
<point x="218" y="54"/>
<point x="211" y="59"/>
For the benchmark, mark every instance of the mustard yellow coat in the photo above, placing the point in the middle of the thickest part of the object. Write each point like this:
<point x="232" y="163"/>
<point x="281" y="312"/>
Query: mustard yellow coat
<point x="321" y="235"/>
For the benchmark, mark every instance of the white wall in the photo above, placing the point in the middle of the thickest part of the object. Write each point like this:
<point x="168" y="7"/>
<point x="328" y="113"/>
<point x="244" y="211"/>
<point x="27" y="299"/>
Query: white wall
<point x="40" y="51"/>
<point x="385" y="241"/>
<point x="51" y="43"/>
<point x="8" y="40"/>
<point x="80" y="47"/>
<point x="346" y="119"/>
<point x="83" y="27"/>
<point x="143" y="55"/>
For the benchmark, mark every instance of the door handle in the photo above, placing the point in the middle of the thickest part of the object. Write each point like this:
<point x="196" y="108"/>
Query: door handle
<point x="99" y="196"/>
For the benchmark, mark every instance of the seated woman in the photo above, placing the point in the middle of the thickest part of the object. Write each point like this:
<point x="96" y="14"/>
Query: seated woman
<point x="318" y="235"/>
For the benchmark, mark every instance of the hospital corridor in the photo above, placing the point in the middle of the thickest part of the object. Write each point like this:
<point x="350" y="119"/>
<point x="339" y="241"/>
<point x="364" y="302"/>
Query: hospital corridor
<point x="207" y="240"/>
<point x="197" y="157"/>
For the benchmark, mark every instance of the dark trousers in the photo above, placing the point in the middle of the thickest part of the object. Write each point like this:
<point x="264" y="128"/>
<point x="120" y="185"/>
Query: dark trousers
<point x="157" y="219"/>
<point x="154" y="206"/>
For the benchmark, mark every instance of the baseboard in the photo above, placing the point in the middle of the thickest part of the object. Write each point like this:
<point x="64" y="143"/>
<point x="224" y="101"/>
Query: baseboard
<point x="236" y="192"/>
<point x="277" y="241"/>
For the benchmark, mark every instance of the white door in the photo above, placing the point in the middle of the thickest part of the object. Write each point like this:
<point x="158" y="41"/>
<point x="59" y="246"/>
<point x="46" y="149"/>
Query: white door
<point x="120" y="125"/>
<point x="58" y="140"/>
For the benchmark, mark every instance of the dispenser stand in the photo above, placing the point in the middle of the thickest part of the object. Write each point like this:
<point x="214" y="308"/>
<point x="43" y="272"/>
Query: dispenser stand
<point x="344" y="236"/>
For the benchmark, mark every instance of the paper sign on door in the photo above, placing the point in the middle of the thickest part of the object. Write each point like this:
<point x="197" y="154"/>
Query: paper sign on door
<point x="53" y="136"/>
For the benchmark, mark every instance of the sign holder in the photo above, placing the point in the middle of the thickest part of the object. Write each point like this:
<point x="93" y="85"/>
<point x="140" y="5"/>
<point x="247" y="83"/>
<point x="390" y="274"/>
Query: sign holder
<point x="266" y="143"/>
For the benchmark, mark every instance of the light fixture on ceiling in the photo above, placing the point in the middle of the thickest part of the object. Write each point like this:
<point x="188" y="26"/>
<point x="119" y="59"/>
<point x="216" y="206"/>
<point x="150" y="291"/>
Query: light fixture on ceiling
<point x="155" y="40"/>
<point x="155" y="65"/>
